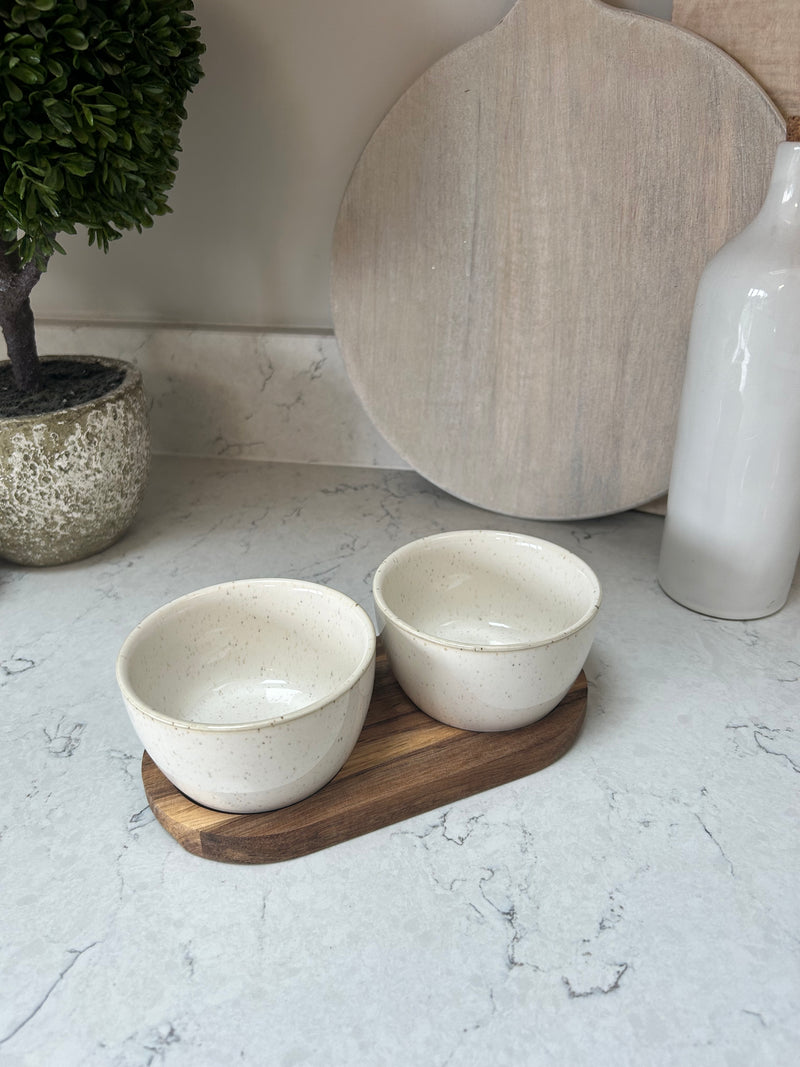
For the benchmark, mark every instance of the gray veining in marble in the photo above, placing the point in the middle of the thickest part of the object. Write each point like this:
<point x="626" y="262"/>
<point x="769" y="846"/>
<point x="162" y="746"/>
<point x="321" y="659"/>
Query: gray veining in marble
<point x="634" y="903"/>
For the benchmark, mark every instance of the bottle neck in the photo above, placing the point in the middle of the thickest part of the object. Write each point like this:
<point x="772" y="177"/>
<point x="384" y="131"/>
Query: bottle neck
<point x="782" y="202"/>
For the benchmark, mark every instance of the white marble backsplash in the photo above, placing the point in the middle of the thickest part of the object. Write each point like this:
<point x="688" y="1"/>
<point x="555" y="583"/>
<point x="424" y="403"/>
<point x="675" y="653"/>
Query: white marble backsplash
<point x="245" y="394"/>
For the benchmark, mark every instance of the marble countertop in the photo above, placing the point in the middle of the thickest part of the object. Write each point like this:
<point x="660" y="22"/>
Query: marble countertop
<point x="634" y="903"/>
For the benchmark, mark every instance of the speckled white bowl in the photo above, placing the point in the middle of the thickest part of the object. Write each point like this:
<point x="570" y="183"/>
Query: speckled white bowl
<point x="250" y="695"/>
<point x="486" y="630"/>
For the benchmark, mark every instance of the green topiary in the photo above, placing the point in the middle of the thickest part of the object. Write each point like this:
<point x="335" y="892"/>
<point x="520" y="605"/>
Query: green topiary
<point x="92" y="98"/>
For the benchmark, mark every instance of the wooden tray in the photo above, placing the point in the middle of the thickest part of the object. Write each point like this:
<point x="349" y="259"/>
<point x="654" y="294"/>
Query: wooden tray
<point x="404" y="763"/>
<point x="516" y="256"/>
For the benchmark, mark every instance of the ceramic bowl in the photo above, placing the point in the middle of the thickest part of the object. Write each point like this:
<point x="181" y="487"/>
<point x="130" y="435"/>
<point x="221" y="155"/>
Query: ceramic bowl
<point x="250" y="695"/>
<point x="486" y="630"/>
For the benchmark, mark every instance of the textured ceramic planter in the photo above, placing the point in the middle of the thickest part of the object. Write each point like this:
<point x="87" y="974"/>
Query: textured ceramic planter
<point x="71" y="481"/>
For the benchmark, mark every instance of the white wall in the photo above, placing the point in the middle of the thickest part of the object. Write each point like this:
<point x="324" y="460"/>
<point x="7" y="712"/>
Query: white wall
<point x="292" y="91"/>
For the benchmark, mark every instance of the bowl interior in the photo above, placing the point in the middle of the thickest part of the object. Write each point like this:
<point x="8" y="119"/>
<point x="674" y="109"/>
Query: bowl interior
<point x="486" y="588"/>
<point x="247" y="652"/>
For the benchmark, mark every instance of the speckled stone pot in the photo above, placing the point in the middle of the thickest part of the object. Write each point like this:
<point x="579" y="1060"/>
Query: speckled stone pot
<point x="71" y="481"/>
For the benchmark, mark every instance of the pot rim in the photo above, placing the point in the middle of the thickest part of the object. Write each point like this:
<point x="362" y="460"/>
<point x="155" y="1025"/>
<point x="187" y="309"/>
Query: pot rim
<point x="132" y="378"/>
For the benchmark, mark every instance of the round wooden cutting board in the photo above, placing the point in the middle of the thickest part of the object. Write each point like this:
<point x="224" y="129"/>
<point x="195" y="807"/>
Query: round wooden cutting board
<point x="517" y="252"/>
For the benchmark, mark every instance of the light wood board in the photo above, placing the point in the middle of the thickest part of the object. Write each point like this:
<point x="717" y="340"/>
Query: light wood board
<point x="404" y="763"/>
<point x="762" y="35"/>
<point x="517" y="252"/>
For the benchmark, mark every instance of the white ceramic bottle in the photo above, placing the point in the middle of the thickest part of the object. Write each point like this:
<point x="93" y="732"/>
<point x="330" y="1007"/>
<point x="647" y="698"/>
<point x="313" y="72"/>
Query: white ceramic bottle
<point x="732" y="532"/>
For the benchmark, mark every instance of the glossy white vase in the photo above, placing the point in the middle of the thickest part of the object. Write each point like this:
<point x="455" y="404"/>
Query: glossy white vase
<point x="732" y="532"/>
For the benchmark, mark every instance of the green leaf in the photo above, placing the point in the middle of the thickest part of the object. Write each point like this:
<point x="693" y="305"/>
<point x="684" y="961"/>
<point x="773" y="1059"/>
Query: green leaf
<point x="31" y="203"/>
<point x="76" y="39"/>
<point x="27" y="75"/>
<point x="78" y="165"/>
<point x="31" y="130"/>
<point x="13" y="90"/>
<point x="60" y="124"/>
<point x="47" y="198"/>
<point x="143" y="141"/>
<point x="54" y="179"/>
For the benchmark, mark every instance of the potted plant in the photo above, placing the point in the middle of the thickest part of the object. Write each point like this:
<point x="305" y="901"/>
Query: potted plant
<point x="92" y="99"/>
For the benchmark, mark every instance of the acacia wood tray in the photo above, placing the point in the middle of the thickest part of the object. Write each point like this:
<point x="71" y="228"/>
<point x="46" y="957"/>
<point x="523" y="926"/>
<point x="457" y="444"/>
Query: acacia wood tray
<point x="404" y="763"/>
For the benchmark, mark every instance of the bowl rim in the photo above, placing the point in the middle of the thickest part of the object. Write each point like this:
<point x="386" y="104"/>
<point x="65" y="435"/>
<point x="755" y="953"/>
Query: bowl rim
<point x="136" y="635"/>
<point x="489" y="534"/>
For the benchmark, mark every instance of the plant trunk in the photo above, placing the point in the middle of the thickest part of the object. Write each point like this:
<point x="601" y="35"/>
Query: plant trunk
<point x="16" y="318"/>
